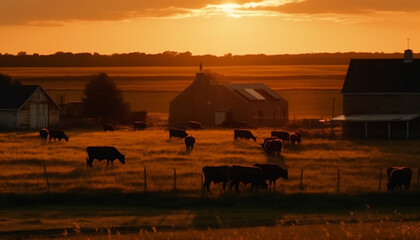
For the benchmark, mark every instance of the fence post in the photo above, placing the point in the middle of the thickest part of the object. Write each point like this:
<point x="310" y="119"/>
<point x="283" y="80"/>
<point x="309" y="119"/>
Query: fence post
<point x="380" y="180"/>
<point x="418" y="173"/>
<point x="301" y="180"/>
<point x="202" y="189"/>
<point x="174" y="179"/>
<point x="332" y="116"/>
<point x="338" y="180"/>
<point x="46" y="177"/>
<point x="145" y="181"/>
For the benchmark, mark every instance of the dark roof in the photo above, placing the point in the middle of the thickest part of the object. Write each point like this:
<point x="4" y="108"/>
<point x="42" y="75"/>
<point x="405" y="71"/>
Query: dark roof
<point x="382" y="76"/>
<point x="14" y="97"/>
<point x="254" y="91"/>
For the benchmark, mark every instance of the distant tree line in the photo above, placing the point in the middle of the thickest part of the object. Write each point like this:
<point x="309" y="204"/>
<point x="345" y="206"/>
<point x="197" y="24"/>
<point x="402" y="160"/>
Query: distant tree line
<point x="170" y="58"/>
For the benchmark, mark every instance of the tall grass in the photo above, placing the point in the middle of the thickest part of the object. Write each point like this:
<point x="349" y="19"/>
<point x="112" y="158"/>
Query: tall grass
<point x="22" y="156"/>
<point x="382" y="230"/>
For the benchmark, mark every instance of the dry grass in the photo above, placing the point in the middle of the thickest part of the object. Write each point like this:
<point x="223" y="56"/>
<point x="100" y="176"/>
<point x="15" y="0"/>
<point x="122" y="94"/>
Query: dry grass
<point x="382" y="230"/>
<point x="22" y="156"/>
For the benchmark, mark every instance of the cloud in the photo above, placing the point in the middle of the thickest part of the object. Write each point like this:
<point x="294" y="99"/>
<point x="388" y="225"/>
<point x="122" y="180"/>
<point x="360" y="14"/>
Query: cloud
<point x="348" y="6"/>
<point x="14" y="12"/>
<point x="56" y="12"/>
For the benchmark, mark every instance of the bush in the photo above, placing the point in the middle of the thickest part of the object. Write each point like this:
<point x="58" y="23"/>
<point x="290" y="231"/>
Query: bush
<point x="104" y="100"/>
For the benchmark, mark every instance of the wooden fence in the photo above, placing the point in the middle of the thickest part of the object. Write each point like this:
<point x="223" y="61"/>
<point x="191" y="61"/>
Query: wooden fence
<point x="301" y="186"/>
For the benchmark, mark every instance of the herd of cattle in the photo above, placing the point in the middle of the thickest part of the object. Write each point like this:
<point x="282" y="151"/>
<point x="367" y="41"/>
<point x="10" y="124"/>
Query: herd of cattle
<point x="256" y="175"/>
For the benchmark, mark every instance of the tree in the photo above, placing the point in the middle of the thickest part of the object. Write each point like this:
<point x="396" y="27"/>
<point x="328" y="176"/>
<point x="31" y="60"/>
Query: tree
<point x="7" y="81"/>
<point x="104" y="100"/>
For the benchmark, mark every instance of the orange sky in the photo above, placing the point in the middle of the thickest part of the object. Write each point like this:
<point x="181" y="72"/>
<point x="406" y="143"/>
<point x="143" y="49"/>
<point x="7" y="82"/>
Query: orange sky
<point x="208" y="26"/>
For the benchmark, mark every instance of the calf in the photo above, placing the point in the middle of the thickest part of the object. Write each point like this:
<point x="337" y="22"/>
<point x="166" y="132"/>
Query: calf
<point x="43" y="134"/>
<point x="102" y="153"/>
<point x="272" y="172"/>
<point x="398" y="176"/>
<point x="242" y="133"/>
<point x="189" y="142"/>
<point x="253" y="175"/>
<point x="179" y="133"/>
<point x="285" y="136"/>
<point x="215" y="174"/>
<point x="295" y="137"/>
<point x="194" y="125"/>
<point x="139" y="125"/>
<point x="56" y="134"/>
<point x="108" y="127"/>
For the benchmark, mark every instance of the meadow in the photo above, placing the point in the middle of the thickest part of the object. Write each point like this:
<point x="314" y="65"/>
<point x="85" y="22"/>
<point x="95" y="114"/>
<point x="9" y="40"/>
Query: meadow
<point x="98" y="200"/>
<point x="384" y="230"/>
<point x="23" y="156"/>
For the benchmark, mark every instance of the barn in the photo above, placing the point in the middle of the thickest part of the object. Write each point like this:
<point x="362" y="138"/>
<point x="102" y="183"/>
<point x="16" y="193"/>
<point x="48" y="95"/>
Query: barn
<point x="27" y="106"/>
<point x="213" y="101"/>
<point x="381" y="98"/>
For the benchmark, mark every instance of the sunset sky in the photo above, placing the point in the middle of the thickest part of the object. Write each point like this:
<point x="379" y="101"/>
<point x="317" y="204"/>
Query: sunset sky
<point x="209" y="26"/>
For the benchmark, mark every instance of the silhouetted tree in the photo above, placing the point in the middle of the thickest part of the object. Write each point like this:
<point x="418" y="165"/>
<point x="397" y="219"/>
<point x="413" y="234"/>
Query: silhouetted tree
<point x="7" y="81"/>
<point x="104" y="100"/>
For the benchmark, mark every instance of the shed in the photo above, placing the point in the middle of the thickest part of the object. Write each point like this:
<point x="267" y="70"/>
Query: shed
<point x="213" y="101"/>
<point x="381" y="98"/>
<point x="27" y="106"/>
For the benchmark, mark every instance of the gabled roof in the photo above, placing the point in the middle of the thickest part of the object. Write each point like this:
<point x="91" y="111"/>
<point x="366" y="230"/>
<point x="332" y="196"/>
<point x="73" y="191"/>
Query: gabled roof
<point x="254" y="92"/>
<point x="382" y="76"/>
<point x="13" y="98"/>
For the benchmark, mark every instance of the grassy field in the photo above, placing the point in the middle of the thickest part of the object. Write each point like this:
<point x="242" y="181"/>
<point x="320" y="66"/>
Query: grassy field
<point x="23" y="155"/>
<point x="93" y="200"/>
<point x="275" y="70"/>
<point x="384" y="230"/>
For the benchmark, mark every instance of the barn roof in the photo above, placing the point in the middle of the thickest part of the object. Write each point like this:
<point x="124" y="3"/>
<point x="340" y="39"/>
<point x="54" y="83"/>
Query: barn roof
<point x="382" y="76"/>
<point x="254" y="92"/>
<point x="376" y="117"/>
<point x="13" y="98"/>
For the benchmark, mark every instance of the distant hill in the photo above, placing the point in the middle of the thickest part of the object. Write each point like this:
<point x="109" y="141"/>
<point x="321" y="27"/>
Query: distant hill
<point x="68" y="59"/>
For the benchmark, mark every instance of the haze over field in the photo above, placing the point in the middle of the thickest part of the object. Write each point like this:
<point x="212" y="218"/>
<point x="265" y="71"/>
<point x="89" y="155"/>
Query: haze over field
<point x="308" y="88"/>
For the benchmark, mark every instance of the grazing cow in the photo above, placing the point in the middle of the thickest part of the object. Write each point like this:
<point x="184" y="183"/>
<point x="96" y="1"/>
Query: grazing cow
<point x="108" y="127"/>
<point x="43" y="134"/>
<point x="189" y="142"/>
<point x="398" y="176"/>
<point x="272" y="146"/>
<point x="101" y="153"/>
<point x="179" y="133"/>
<point x="295" y="137"/>
<point x="242" y="133"/>
<point x="139" y="125"/>
<point x="215" y="174"/>
<point x="194" y="125"/>
<point x="56" y="134"/>
<point x="285" y="136"/>
<point x="253" y="175"/>
<point x="272" y="172"/>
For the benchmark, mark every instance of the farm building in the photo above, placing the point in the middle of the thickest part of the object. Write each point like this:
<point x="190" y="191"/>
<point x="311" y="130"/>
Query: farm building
<point x="381" y="98"/>
<point x="27" y="106"/>
<point x="72" y="113"/>
<point x="213" y="101"/>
